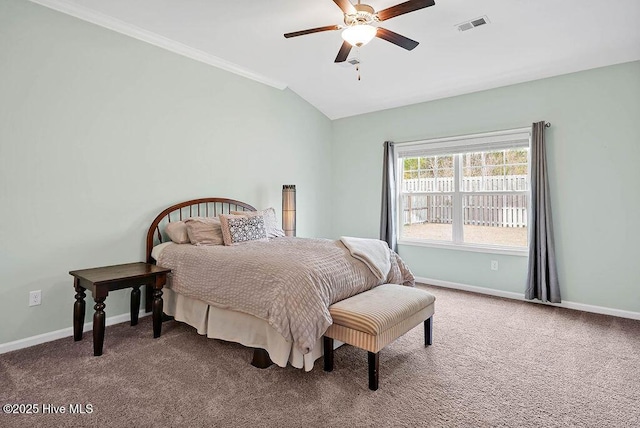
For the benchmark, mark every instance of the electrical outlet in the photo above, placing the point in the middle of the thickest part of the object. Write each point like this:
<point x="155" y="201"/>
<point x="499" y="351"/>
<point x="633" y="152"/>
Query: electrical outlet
<point x="494" y="265"/>
<point x="35" y="298"/>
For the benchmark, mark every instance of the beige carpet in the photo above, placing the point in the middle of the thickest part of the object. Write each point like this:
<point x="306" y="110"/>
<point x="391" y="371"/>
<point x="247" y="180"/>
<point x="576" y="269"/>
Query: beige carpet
<point x="494" y="362"/>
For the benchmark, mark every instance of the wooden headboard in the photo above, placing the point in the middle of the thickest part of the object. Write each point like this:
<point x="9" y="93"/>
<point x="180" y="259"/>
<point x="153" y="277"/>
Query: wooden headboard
<point x="204" y="207"/>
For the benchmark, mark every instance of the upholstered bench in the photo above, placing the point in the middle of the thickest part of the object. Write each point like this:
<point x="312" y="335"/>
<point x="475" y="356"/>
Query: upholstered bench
<point x="375" y="318"/>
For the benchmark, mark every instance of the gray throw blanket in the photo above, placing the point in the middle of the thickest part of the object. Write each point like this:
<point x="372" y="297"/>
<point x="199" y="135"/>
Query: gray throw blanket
<point x="288" y="282"/>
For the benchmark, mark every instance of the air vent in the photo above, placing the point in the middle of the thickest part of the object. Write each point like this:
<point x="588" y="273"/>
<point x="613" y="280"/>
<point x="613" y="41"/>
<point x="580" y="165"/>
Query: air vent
<point x="473" y="23"/>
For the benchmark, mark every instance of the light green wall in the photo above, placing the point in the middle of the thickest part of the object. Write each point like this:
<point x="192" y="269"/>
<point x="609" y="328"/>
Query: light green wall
<point x="99" y="132"/>
<point x="593" y="155"/>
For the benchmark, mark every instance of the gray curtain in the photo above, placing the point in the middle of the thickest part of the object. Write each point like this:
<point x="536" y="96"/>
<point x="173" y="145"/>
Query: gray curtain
<point x="542" y="278"/>
<point x="388" y="215"/>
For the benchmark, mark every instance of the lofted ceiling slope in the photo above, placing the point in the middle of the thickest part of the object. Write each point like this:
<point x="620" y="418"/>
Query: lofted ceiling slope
<point x="523" y="40"/>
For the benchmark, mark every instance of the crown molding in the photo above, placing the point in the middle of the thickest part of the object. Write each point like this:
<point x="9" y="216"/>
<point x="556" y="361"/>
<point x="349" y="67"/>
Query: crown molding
<point x="130" y="30"/>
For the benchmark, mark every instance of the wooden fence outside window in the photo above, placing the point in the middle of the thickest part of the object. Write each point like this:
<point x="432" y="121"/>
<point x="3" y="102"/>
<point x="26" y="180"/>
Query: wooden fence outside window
<point x="486" y="201"/>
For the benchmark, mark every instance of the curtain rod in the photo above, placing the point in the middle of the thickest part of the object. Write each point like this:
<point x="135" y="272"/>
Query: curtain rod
<point x="546" y="125"/>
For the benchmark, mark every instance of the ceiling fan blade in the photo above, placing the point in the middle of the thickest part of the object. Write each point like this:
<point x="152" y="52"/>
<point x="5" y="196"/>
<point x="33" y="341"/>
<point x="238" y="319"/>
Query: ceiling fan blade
<point x="312" y="30"/>
<point x="396" y="39"/>
<point x="346" y="6"/>
<point x="343" y="53"/>
<point x="402" y="8"/>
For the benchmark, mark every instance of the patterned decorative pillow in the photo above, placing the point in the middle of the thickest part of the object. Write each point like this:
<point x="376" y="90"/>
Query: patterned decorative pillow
<point x="270" y="221"/>
<point x="204" y="231"/>
<point x="177" y="232"/>
<point x="238" y="229"/>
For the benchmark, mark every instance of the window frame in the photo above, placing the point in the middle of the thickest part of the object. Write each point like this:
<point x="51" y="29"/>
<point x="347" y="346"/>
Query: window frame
<point x="456" y="146"/>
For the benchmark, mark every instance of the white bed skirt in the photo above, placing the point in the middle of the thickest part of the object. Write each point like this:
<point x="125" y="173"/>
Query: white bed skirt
<point x="225" y="324"/>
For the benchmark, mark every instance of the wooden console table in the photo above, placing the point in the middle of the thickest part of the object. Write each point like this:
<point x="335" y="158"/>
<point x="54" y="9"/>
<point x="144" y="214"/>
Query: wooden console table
<point x="101" y="280"/>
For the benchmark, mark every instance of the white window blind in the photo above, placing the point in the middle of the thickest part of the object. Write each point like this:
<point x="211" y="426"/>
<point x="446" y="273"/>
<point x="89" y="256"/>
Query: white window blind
<point x="463" y="144"/>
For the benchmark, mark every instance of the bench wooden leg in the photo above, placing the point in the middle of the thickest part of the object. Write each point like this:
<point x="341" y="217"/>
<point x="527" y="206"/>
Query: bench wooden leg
<point x="374" y="361"/>
<point x="428" y="331"/>
<point x="328" y="353"/>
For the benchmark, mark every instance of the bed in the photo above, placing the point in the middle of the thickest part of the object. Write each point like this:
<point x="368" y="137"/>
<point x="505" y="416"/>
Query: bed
<point x="271" y="295"/>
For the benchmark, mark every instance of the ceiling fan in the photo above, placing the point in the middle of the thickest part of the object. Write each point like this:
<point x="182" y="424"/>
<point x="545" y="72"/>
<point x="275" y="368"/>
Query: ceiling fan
<point x="358" y="30"/>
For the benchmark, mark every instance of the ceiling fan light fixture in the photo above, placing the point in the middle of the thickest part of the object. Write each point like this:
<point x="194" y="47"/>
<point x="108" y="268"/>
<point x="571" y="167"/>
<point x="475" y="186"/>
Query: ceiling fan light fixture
<point x="359" y="35"/>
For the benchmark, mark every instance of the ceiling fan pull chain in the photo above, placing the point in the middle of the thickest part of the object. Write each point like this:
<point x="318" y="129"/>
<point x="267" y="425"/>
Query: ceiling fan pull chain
<point x="357" y="58"/>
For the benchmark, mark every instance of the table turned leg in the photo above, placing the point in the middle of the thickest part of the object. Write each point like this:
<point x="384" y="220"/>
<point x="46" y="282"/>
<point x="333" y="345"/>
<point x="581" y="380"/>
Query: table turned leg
<point x="98" y="326"/>
<point x="157" y="312"/>
<point x="135" y="304"/>
<point x="78" y="311"/>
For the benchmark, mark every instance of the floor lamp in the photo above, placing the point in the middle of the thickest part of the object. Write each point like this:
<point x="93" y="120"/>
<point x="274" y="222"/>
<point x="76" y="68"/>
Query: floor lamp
<point x="289" y="209"/>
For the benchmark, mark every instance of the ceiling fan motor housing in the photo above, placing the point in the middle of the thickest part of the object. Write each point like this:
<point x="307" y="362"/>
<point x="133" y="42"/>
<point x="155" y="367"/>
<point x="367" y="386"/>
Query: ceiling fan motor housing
<point x="359" y="30"/>
<point x="364" y="15"/>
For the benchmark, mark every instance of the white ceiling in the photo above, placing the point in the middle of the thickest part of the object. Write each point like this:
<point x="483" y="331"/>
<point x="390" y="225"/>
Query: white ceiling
<point x="525" y="40"/>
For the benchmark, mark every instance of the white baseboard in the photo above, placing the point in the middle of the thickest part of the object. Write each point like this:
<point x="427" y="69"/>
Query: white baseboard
<point x="68" y="332"/>
<point x="59" y="334"/>
<point x="520" y="296"/>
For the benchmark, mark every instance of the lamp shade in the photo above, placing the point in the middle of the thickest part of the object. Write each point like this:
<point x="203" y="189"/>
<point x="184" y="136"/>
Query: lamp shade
<point x="289" y="209"/>
<point x="359" y="35"/>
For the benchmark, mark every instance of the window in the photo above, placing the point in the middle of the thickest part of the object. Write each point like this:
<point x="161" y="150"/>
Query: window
<point x="470" y="192"/>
